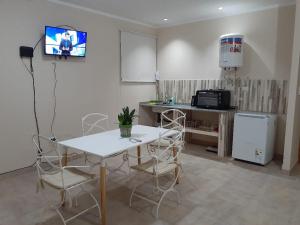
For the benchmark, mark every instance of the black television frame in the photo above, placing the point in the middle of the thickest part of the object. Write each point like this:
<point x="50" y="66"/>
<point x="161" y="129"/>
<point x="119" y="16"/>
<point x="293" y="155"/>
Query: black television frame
<point x="75" y="56"/>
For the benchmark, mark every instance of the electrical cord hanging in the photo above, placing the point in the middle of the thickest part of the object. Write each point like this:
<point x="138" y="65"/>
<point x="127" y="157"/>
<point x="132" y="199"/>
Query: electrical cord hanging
<point x="55" y="82"/>
<point x="31" y="72"/>
<point x="36" y="44"/>
<point x="54" y="97"/>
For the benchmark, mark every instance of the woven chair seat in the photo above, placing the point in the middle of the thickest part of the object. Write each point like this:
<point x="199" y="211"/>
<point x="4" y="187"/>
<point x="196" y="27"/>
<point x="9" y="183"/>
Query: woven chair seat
<point x="161" y="168"/>
<point x="70" y="178"/>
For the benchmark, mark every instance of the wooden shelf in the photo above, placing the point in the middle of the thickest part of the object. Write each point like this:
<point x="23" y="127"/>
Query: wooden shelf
<point x="148" y="116"/>
<point x="202" y="132"/>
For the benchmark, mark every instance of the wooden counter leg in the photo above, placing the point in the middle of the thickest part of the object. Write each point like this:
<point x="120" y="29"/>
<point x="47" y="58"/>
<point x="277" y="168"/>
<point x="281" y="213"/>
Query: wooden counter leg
<point x="223" y="141"/>
<point x="176" y="169"/>
<point x="103" y="194"/>
<point x="139" y="154"/>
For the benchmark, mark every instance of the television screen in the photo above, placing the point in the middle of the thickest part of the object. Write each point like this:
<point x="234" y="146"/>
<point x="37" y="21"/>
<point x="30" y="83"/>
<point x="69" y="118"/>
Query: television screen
<point x="65" y="42"/>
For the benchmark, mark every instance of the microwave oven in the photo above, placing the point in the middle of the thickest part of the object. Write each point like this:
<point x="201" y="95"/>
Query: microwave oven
<point x="212" y="99"/>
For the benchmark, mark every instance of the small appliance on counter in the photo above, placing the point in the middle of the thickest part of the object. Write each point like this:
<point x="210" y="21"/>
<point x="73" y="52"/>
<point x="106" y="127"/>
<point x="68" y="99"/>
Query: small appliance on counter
<point x="170" y="101"/>
<point x="253" y="137"/>
<point x="212" y="99"/>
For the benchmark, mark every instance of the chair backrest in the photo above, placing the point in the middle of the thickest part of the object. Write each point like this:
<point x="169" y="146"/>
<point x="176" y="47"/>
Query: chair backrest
<point x="94" y="123"/>
<point x="49" y="158"/>
<point x="174" y="138"/>
<point x="173" y="119"/>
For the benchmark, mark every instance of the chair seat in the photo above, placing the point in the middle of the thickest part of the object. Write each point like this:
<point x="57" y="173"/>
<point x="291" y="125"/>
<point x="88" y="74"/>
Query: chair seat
<point x="71" y="178"/>
<point x="161" y="143"/>
<point x="162" y="167"/>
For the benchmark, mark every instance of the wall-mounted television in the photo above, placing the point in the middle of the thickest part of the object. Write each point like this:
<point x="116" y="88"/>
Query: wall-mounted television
<point x="65" y="42"/>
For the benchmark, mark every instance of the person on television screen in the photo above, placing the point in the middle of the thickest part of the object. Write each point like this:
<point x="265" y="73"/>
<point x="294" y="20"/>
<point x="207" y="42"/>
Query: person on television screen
<point x="66" y="45"/>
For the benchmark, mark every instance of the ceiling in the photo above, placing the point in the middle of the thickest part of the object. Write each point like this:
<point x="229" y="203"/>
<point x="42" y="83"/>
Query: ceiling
<point x="152" y="12"/>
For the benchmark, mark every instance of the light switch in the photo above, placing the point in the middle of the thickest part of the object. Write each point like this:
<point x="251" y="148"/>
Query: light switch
<point x="157" y="75"/>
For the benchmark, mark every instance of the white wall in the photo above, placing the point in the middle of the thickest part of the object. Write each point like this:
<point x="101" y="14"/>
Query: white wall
<point x="84" y="85"/>
<point x="93" y="84"/>
<point x="191" y="51"/>
<point x="293" y="119"/>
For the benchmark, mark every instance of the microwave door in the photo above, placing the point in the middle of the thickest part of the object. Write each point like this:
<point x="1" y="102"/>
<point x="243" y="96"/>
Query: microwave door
<point x="208" y="100"/>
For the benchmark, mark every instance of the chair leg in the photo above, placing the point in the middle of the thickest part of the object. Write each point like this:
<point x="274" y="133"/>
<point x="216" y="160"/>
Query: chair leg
<point x="62" y="198"/>
<point x="131" y="196"/>
<point x="128" y="164"/>
<point x="157" y="190"/>
<point x="61" y="216"/>
<point x="70" y="198"/>
<point x="177" y="195"/>
<point x="85" y="158"/>
<point x="97" y="204"/>
<point x="65" y="221"/>
<point x="159" y="203"/>
<point x="76" y="201"/>
<point x="93" y="198"/>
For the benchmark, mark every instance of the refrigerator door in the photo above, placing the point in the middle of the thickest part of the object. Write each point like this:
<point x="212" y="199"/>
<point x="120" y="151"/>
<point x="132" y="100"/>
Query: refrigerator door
<point x="250" y="136"/>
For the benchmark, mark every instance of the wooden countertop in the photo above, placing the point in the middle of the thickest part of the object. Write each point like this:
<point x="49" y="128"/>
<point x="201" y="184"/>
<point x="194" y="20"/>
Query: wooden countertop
<point x="183" y="107"/>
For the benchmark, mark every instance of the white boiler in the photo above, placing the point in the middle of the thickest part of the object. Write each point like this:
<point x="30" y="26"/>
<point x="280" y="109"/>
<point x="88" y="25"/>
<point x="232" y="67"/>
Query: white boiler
<point x="231" y="50"/>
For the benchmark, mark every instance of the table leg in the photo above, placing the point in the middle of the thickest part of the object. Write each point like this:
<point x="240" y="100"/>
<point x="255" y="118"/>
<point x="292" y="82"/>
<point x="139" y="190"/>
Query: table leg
<point x="65" y="158"/>
<point x="139" y="154"/>
<point x="103" y="193"/>
<point x="176" y="169"/>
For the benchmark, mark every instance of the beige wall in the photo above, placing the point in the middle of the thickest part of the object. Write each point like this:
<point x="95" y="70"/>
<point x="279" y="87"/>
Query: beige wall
<point x="93" y="84"/>
<point x="191" y="51"/>
<point x="293" y="119"/>
<point x="84" y="85"/>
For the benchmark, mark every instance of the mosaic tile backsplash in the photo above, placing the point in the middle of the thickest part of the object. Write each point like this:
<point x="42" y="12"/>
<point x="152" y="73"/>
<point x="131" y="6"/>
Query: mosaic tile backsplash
<point x="248" y="95"/>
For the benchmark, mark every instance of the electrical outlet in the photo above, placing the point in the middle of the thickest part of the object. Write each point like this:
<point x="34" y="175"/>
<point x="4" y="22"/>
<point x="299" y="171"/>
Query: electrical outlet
<point x="258" y="152"/>
<point x="299" y="90"/>
<point x="54" y="139"/>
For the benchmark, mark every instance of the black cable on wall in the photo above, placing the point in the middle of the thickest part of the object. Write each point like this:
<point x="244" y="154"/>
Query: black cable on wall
<point x="54" y="99"/>
<point x="30" y="70"/>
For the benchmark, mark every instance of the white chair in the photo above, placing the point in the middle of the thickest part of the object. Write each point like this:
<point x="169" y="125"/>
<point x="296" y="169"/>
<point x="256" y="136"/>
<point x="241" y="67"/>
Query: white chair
<point x="93" y="123"/>
<point x="162" y="161"/>
<point x="169" y="119"/>
<point x="96" y="123"/>
<point x="52" y="173"/>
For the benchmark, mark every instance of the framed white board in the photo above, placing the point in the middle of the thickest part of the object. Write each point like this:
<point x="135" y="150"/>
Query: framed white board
<point x="138" y="57"/>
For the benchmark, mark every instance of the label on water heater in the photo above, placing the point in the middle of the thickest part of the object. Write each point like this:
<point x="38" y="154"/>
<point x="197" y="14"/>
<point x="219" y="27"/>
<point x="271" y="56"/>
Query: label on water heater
<point x="231" y="51"/>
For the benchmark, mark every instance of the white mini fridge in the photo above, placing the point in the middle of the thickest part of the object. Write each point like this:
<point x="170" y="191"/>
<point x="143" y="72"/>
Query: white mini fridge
<point x="253" y="137"/>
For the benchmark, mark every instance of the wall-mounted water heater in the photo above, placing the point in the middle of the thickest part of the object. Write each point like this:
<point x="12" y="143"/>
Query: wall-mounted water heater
<point x="231" y="51"/>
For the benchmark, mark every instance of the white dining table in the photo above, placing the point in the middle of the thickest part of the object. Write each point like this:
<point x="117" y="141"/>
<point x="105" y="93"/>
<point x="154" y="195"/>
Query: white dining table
<point x="107" y="144"/>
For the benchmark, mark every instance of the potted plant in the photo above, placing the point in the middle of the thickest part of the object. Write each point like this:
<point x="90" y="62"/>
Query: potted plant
<point x="125" y="121"/>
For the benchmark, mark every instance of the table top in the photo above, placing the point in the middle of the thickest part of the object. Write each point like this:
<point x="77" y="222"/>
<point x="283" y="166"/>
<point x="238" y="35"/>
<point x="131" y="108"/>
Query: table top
<point x="184" y="107"/>
<point x="109" y="143"/>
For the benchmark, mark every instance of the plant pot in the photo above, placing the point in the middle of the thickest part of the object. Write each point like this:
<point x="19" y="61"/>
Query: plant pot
<point x="125" y="130"/>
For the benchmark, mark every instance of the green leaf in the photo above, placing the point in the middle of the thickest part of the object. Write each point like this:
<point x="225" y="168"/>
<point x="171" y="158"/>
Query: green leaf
<point x="126" y="117"/>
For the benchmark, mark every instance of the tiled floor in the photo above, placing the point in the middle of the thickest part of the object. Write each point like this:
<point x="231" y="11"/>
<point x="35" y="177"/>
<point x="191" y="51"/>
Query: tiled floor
<point x="213" y="193"/>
